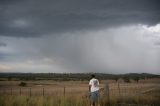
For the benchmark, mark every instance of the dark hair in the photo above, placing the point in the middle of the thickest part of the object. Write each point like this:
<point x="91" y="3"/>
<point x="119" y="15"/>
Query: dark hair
<point x="93" y="76"/>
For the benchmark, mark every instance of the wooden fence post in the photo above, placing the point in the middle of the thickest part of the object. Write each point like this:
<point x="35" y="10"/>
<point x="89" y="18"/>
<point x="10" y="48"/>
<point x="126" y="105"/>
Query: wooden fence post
<point x="64" y="91"/>
<point x="20" y="91"/>
<point x="125" y="93"/>
<point x="107" y="91"/>
<point x="43" y="91"/>
<point x="119" y="89"/>
<point x="11" y="91"/>
<point x="4" y="91"/>
<point x="30" y="91"/>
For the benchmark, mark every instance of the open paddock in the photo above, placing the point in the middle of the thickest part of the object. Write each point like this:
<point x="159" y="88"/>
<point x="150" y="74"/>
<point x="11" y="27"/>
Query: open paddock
<point x="145" y="92"/>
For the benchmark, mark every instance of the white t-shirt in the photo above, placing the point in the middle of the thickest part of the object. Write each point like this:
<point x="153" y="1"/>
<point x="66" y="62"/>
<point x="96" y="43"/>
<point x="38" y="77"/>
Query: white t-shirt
<point x="94" y="83"/>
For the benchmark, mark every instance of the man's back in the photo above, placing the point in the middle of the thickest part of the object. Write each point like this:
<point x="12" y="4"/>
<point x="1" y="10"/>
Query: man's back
<point x="94" y="83"/>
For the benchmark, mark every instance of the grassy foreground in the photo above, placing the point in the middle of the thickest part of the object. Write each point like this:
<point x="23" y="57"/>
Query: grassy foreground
<point x="73" y="101"/>
<point x="41" y="101"/>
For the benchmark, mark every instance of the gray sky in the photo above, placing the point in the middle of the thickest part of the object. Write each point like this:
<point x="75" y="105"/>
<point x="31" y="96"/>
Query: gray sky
<point x="109" y="36"/>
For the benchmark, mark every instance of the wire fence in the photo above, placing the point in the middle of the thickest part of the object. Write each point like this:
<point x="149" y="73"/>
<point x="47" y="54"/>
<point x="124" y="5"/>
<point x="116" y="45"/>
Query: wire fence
<point x="109" y="91"/>
<point x="32" y="91"/>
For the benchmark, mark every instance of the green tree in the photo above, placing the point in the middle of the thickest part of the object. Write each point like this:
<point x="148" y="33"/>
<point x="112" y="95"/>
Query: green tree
<point x="9" y="78"/>
<point x="116" y="79"/>
<point x="23" y="84"/>
<point x="136" y="79"/>
<point x="126" y="79"/>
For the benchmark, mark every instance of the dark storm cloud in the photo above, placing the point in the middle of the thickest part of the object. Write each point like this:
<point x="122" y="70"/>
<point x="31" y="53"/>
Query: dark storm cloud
<point x="2" y="44"/>
<point x="32" y="18"/>
<point x="115" y="36"/>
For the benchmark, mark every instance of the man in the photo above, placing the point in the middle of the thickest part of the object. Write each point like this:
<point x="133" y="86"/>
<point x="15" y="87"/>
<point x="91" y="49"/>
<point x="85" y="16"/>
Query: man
<point x="94" y="91"/>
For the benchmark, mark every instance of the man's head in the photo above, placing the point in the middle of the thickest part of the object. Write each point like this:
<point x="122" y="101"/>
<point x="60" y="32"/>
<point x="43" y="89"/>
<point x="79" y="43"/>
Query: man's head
<point x="92" y="76"/>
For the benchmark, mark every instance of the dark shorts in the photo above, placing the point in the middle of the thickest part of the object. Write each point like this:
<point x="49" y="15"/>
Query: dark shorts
<point x="95" y="95"/>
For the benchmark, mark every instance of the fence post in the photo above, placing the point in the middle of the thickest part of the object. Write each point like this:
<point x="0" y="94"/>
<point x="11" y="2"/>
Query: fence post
<point x="107" y="91"/>
<point x="43" y="91"/>
<point x="119" y="89"/>
<point x="20" y="91"/>
<point x="11" y="91"/>
<point x="125" y="93"/>
<point x="30" y="91"/>
<point x="64" y="91"/>
<point x="4" y="91"/>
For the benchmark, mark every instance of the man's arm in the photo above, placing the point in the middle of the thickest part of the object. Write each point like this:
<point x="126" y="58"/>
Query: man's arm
<point x="90" y="84"/>
<point x="98" y="82"/>
<point x="89" y="88"/>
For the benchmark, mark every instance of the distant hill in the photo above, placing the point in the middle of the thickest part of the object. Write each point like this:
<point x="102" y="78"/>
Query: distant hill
<point x="73" y="76"/>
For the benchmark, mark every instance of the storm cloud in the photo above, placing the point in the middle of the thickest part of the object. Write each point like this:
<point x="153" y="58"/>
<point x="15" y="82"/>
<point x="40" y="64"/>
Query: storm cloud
<point x="32" y="18"/>
<point x="109" y="36"/>
<point x="3" y="44"/>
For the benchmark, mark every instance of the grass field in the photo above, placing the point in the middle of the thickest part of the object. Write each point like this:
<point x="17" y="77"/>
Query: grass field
<point x="75" y="93"/>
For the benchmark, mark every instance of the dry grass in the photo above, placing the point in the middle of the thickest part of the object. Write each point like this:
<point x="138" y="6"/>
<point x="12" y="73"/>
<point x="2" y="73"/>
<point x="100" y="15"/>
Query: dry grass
<point x="76" y="93"/>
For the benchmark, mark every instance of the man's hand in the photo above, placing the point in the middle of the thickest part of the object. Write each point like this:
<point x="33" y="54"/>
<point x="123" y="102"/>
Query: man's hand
<point x="89" y="94"/>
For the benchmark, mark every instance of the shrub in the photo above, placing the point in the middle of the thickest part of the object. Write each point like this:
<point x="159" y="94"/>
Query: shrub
<point x="23" y="84"/>
<point x="136" y="79"/>
<point x="126" y="79"/>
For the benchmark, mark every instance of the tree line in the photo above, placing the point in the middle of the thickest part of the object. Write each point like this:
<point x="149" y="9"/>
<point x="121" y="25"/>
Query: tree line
<point x="76" y="76"/>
